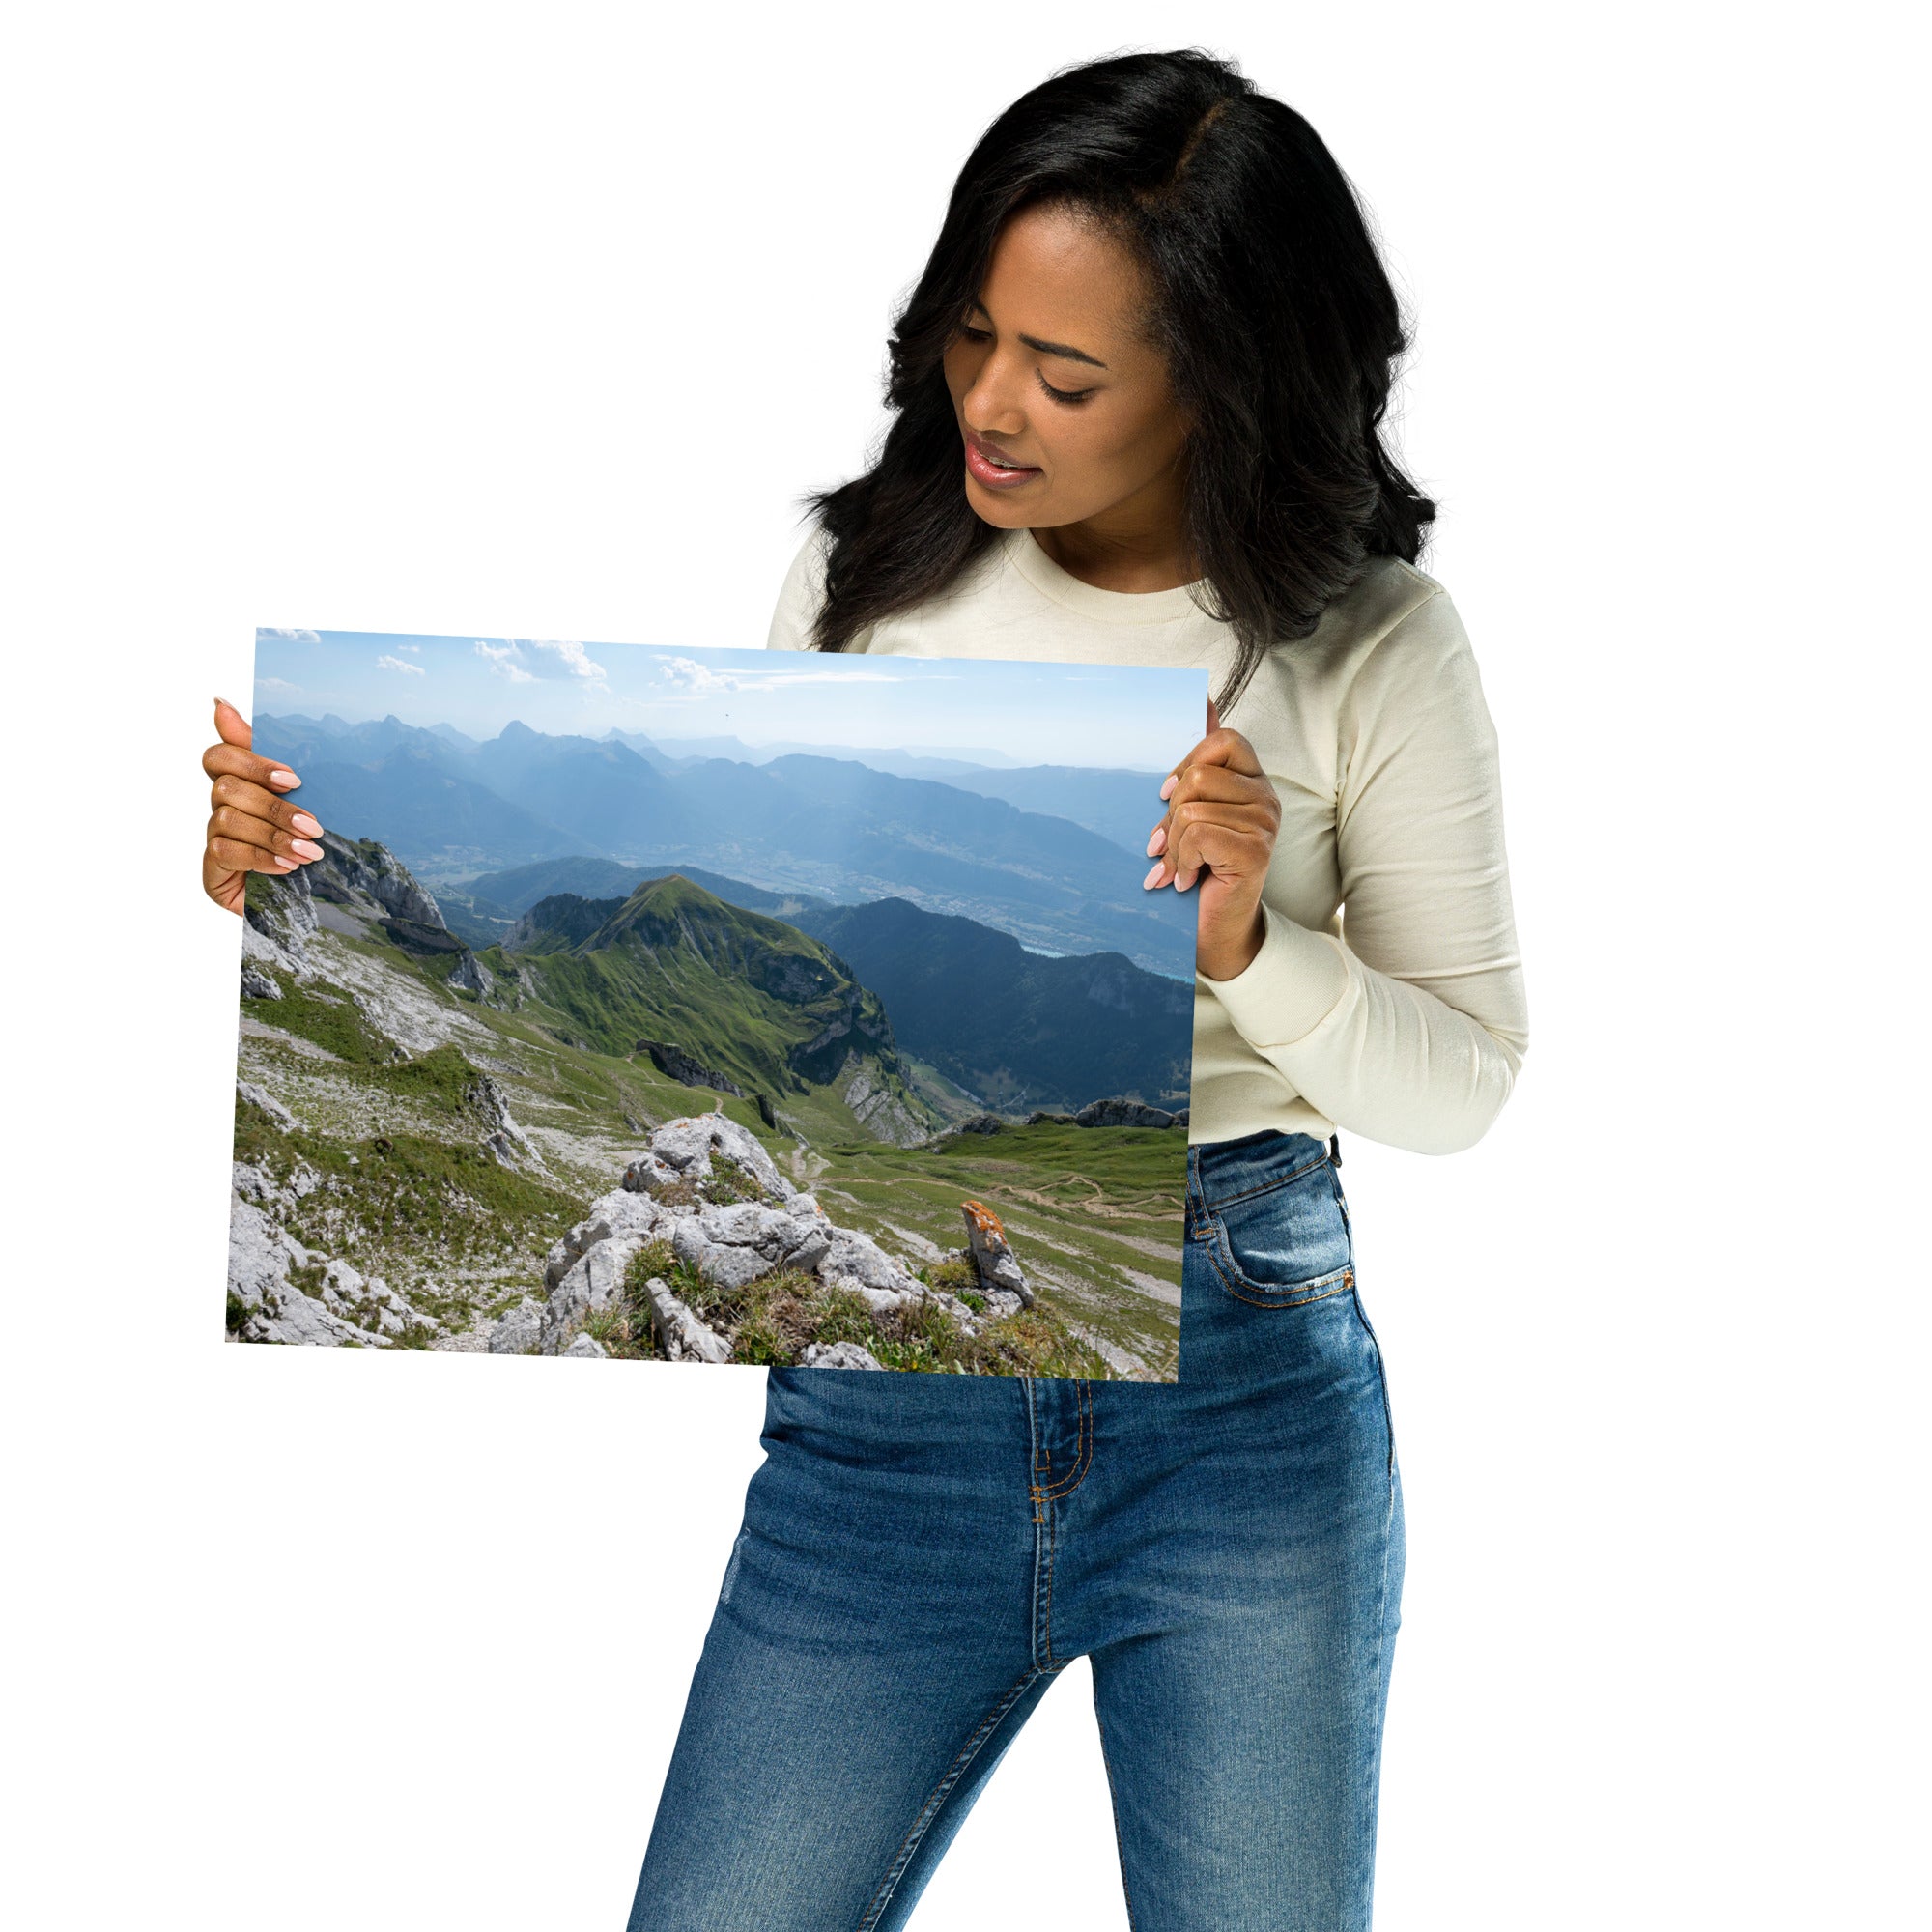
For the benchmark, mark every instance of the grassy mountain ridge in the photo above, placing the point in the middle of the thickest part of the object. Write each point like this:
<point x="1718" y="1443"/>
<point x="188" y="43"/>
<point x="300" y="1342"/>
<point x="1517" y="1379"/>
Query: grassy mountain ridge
<point x="747" y="994"/>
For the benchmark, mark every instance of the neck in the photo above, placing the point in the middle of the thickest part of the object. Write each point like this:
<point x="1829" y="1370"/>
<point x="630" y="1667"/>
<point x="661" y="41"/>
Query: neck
<point x="1137" y="546"/>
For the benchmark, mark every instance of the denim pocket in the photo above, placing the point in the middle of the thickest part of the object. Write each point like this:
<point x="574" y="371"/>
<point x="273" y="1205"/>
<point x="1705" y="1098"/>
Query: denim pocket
<point x="1283" y="1242"/>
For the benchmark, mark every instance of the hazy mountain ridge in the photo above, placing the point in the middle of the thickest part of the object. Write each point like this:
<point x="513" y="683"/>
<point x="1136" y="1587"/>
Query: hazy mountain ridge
<point x="820" y="826"/>
<point x="1021" y="1030"/>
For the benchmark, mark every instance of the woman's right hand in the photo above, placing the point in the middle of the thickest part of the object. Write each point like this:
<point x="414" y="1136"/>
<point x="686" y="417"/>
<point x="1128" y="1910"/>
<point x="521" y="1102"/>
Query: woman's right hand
<point x="253" y="828"/>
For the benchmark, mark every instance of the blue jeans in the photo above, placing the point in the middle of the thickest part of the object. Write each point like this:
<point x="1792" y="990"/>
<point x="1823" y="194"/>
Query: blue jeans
<point x="922" y="1555"/>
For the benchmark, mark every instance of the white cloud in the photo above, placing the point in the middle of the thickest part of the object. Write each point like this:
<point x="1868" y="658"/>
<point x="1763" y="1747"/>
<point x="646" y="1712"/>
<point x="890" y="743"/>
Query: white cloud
<point x="292" y="637"/>
<point x="396" y="664"/>
<point x="505" y="660"/>
<point x="700" y="679"/>
<point x="277" y="687"/>
<point x="525" y="660"/>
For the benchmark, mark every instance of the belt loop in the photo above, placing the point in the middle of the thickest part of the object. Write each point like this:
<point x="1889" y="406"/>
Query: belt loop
<point x="1335" y="1149"/>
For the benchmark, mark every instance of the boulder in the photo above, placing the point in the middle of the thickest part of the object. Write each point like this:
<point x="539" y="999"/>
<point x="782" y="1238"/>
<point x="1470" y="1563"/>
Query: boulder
<point x="838" y="1355"/>
<point x="735" y="1244"/>
<point x="521" y="1330"/>
<point x="681" y="1149"/>
<point x="594" y="1282"/>
<point x="993" y="1254"/>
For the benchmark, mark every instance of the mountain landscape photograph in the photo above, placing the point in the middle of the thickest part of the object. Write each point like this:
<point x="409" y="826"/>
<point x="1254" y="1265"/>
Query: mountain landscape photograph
<point x="715" y="1004"/>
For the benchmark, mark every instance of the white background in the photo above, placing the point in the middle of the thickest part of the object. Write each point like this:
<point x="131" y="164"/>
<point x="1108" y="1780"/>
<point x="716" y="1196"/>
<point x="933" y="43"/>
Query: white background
<point x="538" y="321"/>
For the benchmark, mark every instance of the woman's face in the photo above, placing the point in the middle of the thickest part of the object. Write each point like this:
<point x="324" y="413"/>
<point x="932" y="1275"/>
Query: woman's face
<point x="1064" y="410"/>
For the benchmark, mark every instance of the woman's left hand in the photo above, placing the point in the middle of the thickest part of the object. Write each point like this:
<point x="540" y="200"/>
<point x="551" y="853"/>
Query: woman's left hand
<point x="1222" y="817"/>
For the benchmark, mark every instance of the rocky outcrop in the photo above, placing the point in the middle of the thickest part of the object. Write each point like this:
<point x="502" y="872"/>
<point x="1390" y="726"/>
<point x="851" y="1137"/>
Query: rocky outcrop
<point x="502" y="1136"/>
<point x="360" y="877"/>
<point x="260" y="1097"/>
<point x="471" y="976"/>
<point x="278" y="923"/>
<point x="859" y="1024"/>
<point x="729" y="1243"/>
<point x="838" y="1355"/>
<point x="993" y="1256"/>
<point x="673" y="1060"/>
<point x="280" y="1291"/>
<point x="368" y="878"/>
<point x="881" y="1110"/>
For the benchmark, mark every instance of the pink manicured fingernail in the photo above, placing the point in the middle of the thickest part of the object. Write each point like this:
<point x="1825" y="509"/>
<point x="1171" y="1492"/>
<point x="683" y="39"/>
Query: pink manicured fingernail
<point x="307" y="848"/>
<point x="286" y="863"/>
<point x="1154" y="875"/>
<point x="1159" y="840"/>
<point x="283" y="779"/>
<point x="304" y="823"/>
<point x="1173" y="780"/>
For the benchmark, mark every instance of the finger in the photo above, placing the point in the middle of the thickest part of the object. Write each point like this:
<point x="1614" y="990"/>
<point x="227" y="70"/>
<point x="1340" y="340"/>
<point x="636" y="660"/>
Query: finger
<point x="1211" y="845"/>
<point x="226" y="760"/>
<point x="282" y="812"/>
<point x="1220" y="746"/>
<point x="1224" y="838"/>
<point x="236" y="855"/>
<point x="231" y="727"/>
<point x="232" y="823"/>
<point x="1217" y="787"/>
<point x="1220" y="782"/>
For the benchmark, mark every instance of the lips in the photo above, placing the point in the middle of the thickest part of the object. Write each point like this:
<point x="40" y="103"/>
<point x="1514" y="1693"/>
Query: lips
<point x="994" y="468"/>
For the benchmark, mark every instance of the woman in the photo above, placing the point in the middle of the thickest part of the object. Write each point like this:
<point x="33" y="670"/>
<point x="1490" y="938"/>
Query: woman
<point x="1137" y="396"/>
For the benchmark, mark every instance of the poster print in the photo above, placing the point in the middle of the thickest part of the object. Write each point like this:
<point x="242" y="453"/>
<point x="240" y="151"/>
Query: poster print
<point x="715" y="1006"/>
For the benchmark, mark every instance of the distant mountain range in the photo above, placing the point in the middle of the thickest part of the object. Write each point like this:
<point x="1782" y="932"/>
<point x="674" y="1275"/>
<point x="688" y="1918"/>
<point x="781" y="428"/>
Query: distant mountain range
<point x="1013" y="1029"/>
<point x="481" y="820"/>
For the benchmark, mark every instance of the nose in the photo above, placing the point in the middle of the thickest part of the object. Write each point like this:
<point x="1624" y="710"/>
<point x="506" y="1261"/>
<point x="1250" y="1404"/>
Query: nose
<point x="990" y="404"/>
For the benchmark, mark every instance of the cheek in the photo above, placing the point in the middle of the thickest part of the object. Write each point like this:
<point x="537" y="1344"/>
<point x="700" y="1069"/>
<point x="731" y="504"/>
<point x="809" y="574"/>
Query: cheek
<point x="1091" y="454"/>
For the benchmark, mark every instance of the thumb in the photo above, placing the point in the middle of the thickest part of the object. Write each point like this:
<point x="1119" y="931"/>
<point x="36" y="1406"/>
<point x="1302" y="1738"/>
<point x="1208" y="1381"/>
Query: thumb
<point x="231" y="727"/>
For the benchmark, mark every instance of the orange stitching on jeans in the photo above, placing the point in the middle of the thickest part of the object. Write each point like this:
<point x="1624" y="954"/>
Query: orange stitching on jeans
<point x="1243" y="1290"/>
<point x="1082" y="1450"/>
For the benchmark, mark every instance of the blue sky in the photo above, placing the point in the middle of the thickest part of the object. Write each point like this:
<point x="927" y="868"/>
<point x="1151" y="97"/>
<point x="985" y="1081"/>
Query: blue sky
<point x="1144" y="717"/>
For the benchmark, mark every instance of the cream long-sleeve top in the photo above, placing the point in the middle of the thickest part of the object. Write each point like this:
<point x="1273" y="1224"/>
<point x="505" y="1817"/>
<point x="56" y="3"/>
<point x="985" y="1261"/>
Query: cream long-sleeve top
<point x="1387" y="997"/>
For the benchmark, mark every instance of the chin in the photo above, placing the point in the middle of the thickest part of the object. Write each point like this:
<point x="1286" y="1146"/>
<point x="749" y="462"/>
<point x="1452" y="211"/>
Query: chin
<point x="990" y="506"/>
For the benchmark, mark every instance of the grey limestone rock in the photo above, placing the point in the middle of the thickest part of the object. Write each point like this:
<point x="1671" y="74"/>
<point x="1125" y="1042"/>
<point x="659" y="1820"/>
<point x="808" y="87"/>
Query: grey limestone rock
<point x="838" y="1355"/>
<point x="993" y="1254"/>
<point x="735" y="1244"/>
<point x="591" y="1283"/>
<point x="472" y="975"/>
<point x="260" y="1097"/>
<point x="586" y="1345"/>
<point x="682" y="1149"/>
<point x="682" y="1336"/>
<point x="519" y="1332"/>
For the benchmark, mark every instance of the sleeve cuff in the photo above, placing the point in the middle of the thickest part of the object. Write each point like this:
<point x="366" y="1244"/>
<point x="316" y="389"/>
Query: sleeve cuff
<point x="1288" y="988"/>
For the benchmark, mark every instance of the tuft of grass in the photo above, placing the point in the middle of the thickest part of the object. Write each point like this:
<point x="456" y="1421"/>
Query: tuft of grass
<point x="327" y="1021"/>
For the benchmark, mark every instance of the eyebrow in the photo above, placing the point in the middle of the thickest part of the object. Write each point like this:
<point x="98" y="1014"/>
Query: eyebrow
<point x="1066" y="349"/>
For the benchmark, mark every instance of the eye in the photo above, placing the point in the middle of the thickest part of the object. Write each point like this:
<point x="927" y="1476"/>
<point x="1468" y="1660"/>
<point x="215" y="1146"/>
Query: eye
<point x="972" y="335"/>
<point x="1063" y="395"/>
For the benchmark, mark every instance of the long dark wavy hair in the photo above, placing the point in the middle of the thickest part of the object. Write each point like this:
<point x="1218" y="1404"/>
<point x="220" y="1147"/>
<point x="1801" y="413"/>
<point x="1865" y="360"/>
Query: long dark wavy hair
<point x="1270" y="303"/>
